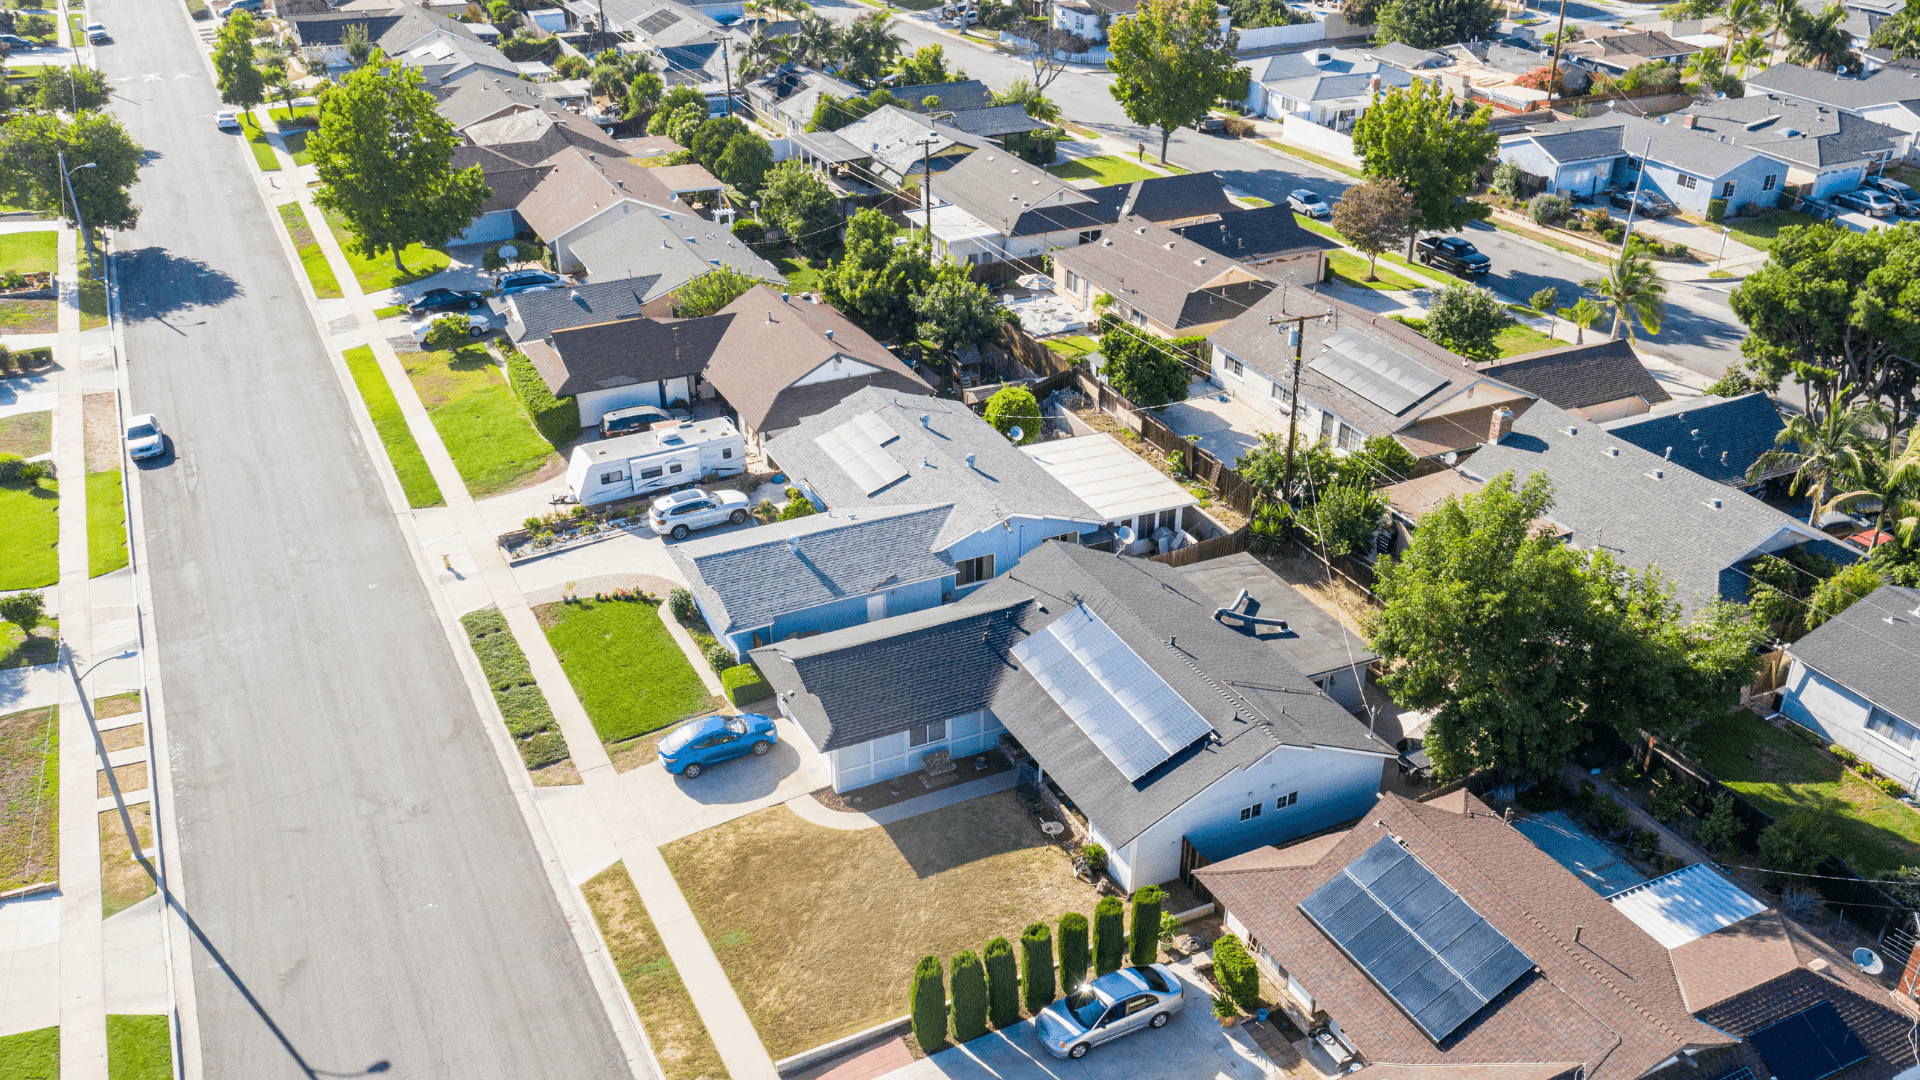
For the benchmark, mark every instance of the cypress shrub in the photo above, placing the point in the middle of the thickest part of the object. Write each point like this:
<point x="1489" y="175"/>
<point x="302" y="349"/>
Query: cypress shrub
<point x="1233" y="969"/>
<point x="928" y="1004"/>
<point x="1146" y="924"/>
<point x="1003" y="984"/>
<point x="1073" y="950"/>
<point x="1109" y="935"/>
<point x="1036" y="966"/>
<point x="556" y="419"/>
<point x="969" y="997"/>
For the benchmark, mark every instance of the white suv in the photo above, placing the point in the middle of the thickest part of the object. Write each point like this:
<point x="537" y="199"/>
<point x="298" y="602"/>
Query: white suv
<point x="680" y="513"/>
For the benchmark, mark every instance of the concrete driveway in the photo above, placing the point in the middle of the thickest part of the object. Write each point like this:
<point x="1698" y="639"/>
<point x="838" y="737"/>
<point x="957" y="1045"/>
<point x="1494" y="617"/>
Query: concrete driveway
<point x="677" y="806"/>
<point x="1226" y="429"/>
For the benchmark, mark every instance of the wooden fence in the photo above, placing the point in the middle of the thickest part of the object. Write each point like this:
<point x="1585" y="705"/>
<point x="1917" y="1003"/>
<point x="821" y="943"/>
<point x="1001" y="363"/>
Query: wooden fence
<point x="1233" y="489"/>
<point x="1200" y="551"/>
<point x="1031" y="352"/>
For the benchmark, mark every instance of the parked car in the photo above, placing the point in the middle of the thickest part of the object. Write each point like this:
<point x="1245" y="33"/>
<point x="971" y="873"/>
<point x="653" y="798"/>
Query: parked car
<point x="144" y="438"/>
<point x="1643" y="203"/>
<point x="637" y="418"/>
<point x="1452" y="254"/>
<point x="681" y="512"/>
<point x="97" y="33"/>
<point x="1868" y="201"/>
<point x="1901" y="193"/>
<point x="699" y="745"/>
<point x="446" y="300"/>
<point x="1121" y="1003"/>
<point x="254" y="6"/>
<point x="1210" y="125"/>
<point x="18" y="43"/>
<point x="1303" y="201"/>
<point x="478" y="323"/>
<point x="227" y="120"/>
<point x="519" y="281"/>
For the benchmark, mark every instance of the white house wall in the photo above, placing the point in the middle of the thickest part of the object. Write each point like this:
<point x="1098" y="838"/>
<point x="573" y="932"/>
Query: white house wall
<point x="1007" y="543"/>
<point x="1840" y="716"/>
<point x="885" y="758"/>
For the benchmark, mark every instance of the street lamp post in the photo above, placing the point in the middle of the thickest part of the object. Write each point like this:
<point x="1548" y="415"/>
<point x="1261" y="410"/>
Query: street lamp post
<point x="66" y="180"/>
<point x="1721" y="262"/>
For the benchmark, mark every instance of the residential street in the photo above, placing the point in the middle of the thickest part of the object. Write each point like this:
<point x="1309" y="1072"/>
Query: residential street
<point x="361" y="893"/>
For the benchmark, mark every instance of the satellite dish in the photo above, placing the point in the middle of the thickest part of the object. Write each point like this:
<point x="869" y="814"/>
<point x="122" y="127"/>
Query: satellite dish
<point x="1123" y="539"/>
<point x="1869" y="961"/>
<point x="508" y="251"/>
<point x="1015" y="433"/>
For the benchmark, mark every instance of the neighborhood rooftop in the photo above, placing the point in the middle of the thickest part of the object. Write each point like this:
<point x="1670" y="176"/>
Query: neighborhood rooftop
<point x="1719" y="438"/>
<point x="1873" y="649"/>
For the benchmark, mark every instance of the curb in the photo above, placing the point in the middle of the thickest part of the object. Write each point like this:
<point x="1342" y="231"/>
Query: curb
<point x="878" y="1033"/>
<point x="29" y="890"/>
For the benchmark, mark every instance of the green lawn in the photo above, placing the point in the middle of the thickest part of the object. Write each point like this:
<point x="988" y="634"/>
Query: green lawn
<point x="27" y="434"/>
<point x="1352" y="269"/>
<point x="1759" y="233"/>
<point x="31" y="1055"/>
<point x="296" y="142"/>
<point x="1072" y="347"/>
<point x="93" y="291"/>
<point x="106" y="523"/>
<point x="630" y="674"/>
<point x="380" y="273"/>
<point x="138" y="1048"/>
<point x="389" y="312"/>
<point x="29" y="252"/>
<point x="679" y="1040"/>
<point x="1107" y="168"/>
<point x="319" y="271"/>
<point x="17" y="649"/>
<point x="486" y="431"/>
<point x="801" y="277"/>
<point x="411" y="466"/>
<point x="263" y="154"/>
<point x="29" y="529"/>
<point x="1520" y="339"/>
<point x="1325" y="163"/>
<point x="1779" y="773"/>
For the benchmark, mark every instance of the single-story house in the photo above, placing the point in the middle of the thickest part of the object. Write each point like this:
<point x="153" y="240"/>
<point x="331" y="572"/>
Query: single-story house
<point x="689" y="180"/>
<point x="1327" y="86"/>
<point x="487" y="95"/>
<point x="1299" y="631"/>
<point x="787" y="95"/>
<point x="446" y="57"/>
<point x="1599" y="382"/>
<point x="902" y="143"/>
<point x="1267" y="239"/>
<point x="1827" y="151"/>
<point x="626" y="362"/>
<point x="582" y="192"/>
<point x="1586" y="158"/>
<point x="1170" y="732"/>
<point x="1123" y="490"/>
<point x="960" y="95"/>
<point x="1855" y="680"/>
<point x="1719" y="438"/>
<point x="515" y="152"/>
<point x="534" y="314"/>
<point x="321" y="37"/>
<point x="1622" y="50"/>
<point x="1887" y="96"/>
<point x="668" y="246"/>
<point x="1160" y="281"/>
<point x="1090" y="18"/>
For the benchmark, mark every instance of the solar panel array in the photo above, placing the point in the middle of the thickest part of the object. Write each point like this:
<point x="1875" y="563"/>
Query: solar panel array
<point x="1375" y="371"/>
<point x="857" y="447"/>
<point x="1809" y="1045"/>
<point x="659" y="21"/>
<point x="1122" y="705"/>
<point x="1437" y="958"/>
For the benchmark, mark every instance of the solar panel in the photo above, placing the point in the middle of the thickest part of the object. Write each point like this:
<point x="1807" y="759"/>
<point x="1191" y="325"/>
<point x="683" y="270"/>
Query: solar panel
<point x="1435" y="956"/>
<point x="1809" y="1045"/>
<point x="659" y="21"/>
<point x="857" y="447"/>
<point x="1122" y="705"/>
<point x="1375" y="371"/>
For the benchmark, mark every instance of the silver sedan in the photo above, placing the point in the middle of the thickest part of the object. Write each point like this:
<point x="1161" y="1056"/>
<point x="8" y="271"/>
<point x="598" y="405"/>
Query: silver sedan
<point x="1129" y="1000"/>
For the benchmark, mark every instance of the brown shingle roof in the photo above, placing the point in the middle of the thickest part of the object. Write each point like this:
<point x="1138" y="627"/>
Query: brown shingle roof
<point x="575" y="188"/>
<point x="1733" y="960"/>
<point x="1169" y="278"/>
<point x="774" y="343"/>
<point x="626" y="351"/>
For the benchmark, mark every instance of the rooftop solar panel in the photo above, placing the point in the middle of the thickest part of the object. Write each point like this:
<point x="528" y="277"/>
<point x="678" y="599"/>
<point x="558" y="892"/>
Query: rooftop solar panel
<point x="1435" y="956"/>
<point x="857" y="447"/>
<point x="1122" y="705"/>
<point x="1809" y="1045"/>
<point x="1375" y="371"/>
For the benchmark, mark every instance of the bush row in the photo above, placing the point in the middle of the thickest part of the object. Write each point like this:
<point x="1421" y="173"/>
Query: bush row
<point x="522" y="705"/>
<point x="557" y="419"/>
<point x="744" y="684"/>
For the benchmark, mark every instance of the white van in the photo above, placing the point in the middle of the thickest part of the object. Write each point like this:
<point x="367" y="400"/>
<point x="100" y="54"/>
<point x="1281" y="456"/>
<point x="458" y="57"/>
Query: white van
<point x="657" y="460"/>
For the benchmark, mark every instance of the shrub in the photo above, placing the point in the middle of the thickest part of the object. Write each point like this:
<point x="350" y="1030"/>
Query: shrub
<point x="448" y="332"/>
<point x="744" y="684"/>
<point x="1073" y="950"/>
<point x="1096" y="857"/>
<point x="1796" y="844"/>
<point x="1506" y="180"/>
<point x="797" y="508"/>
<point x="557" y="419"/>
<point x="766" y="511"/>
<point x="1889" y="786"/>
<point x="1611" y="235"/>
<point x="1669" y="803"/>
<point x="1013" y="407"/>
<point x="1547" y="208"/>
<point x="15" y="469"/>
<point x="1646" y="839"/>
<point x="1544" y="796"/>
<point x="1036" y="967"/>
<point x="749" y="231"/>
<point x="1841" y="752"/>
<point x="1238" y="127"/>
<point x="543" y="749"/>
<point x="680" y="603"/>
<point x="927" y="1002"/>
<point x="1147" y="903"/>
<point x="1233" y="969"/>
<point x="1610" y="814"/>
<point x="1800" y="903"/>
<point x="1668" y="863"/>
<point x="1109" y="935"/>
<point x="1546" y="300"/>
<point x="1716" y="210"/>
<point x="1003" y="984"/>
<point x="719" y="657"/>
<point x="23" y="610"/>
<point x="1584" y="800"/>
<point x="1720" y="826"/>
<point x="969" y="997"/>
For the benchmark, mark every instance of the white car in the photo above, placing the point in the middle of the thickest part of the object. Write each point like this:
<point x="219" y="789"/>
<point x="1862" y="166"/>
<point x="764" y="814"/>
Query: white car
<point x="144" y="439"/>
<point x="680" y="513"/>
<point x="1303" y="201"/>
<point x="478" y="324"/>
<point x="97" y="33"/>
<point x="227" y="120"/>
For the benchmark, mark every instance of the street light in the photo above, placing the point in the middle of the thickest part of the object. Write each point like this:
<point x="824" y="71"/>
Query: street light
<point x="67" y="181"/>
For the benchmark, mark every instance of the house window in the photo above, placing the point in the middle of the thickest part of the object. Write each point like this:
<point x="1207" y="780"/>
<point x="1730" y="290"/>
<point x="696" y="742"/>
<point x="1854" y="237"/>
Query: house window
<point x="1687" y="181"/>
<point x="972" y="570"/>
<point x="1137" y="318"/>
<point x="1277" y="391"/>
<point x="613" y="477"/>
<point x="1349" y="438"/>
<point x="1067" y="538"/>
<point x="1286" y="800"/>
<point x="1326" y="425"/>
<point x="1726" y="190"/>
<point x="1248" y="813"/>
<point x="1239" y="369"/>
<point x="651" y="474"/>
<point x="1087" y="237"/>
<point x="1633" y="164"/>
<point x="1767" y="184"/>
<point x="1891" y="728"/>
<point x="922" y="734"/>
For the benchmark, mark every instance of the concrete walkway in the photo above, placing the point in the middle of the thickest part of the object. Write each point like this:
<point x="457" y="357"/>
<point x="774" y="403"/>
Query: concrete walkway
<point x="808" y="808"/>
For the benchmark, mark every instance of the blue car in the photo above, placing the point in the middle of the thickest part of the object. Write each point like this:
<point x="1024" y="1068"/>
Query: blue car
<point x="697" y="746"/>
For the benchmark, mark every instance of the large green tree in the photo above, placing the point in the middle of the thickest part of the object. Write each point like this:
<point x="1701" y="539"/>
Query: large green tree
<point x="798" y="201"/>
<point x="1172" y="63"/>
<point x="71" y="90"/>
<point x="1414" y="135"/>
<point x="1431" y="24"/>
<point x="1144" y="368"/>
<point x="385" y="158"/>
<point x="957" y="311"/>
<point x="869" y="46"/>
<point x="241" y="84"/>
<point x="1468" y="320"/>
<point x="1901" y="32"/>
<point x="1821" y="41"/>
<point x="877" y="280"/>
<point x="1373" y="216"/>
<point x="30" y="147"/>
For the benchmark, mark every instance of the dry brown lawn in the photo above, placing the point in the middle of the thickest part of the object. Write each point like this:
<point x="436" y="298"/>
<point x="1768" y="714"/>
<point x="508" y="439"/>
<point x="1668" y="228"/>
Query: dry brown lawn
<point x="26" y="434"/>
<point x="680" y="1041"/>
<point x="819" y="929"/>
<point x="131" y="778"/>
<point x="118" y="705"/>
<point x="123" y="738"/>
<point x="1332" y="593"/>
<point x="29" y="797"/>
<point x="124" y="880"/>
<point x="101" y="423"/>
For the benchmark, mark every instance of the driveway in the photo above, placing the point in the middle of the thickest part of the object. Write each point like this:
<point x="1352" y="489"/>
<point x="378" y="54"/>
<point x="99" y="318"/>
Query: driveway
<point x="677" y="806"/>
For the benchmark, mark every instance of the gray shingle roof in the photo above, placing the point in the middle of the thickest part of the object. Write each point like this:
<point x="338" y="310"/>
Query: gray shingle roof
<point x="331" y="28"/>
<point x="891" y="135"/>
<point x="1256" y="235"/>
<point x="1614" y="501"/>
<point x="1718" y="438"/>
<point x="1002" y="482"/>
<point x="1693" y="151"/>
<point x="1171" y="279"/>
<point x="1791" y="130"/>
<point x="1404" y="56"/>
<point x="995" y="122"/>
<point x="1314" y="642"/>
<point x="599" y="356"/>
<point x="957" y="96"/>
<point x="1019" y="199"/>
<point x="1582" y="376"/>
<point x="1873" y="649"/>
<point x="540" y="312"/>
<point x="1883" y="87"/>
<point x="671" y="246"/>
<point x="748" y="579"/>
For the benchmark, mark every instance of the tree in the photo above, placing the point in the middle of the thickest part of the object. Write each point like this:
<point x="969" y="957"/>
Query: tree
<point x="1373" y="216"/>
<point x="1833" y="308"/>
<point x="1233" y="966"/>
<point x="358" y="45"/>
<point x="969" y="996"/>
<point x="1258" y="14"/>
<point x="1264" y="465"/>
<point x="675" y="100"/>
<point x="283" y="84"/>
<point x="1172" y="63"/>
<point x="927" y="1004"/>
<point x="1414" y="135"/>
<point x="1901" y="32"/>
<point x="1582" y="315"/>
<point x="1346" y="518"/>
<point x="72" y="90"/>
<point x="501" y="13"/>
<point x="869" y="46"/>
<point x="1821" y="41"/>
<point x="1013" y="407"/>
<point x="1432" y="24"/>
<point x="1544" y="300"/>
<point x="1147" y="903"/>
<point x="233" y="64"/>
<point x="1142" y="367"/>
<point x="798" y="201"/>
<point x="1631" y="288"/>
<point x="831" y="113"/>
<point x="1380" y="460"/>
<point x="1798" y="843"/>
<point x="1036" y="967"/>
<point x="762" y="53"/>
<point x="1825" y="452"/>
<point x="1003" y="984"/>
<point x="1024" y="94"/>
<point x="956" y="311"/>
<point x="744" y="163"/>
<point x="712" y="291"/>
<point x="1109" y="935"/>
<point x="385" y="158"/>
<point x="30" y="149"/>
<point x="878" y="280"/>
<point x="643" y="96"/>
<point x="818" y="41"/>
<point x="1719" y="827"/>
<point x="1890" y="478"/>
<point x="1838" y="593"/>
<point x="23" y="610"/>
<point x="1468" y="320"/>
<point x="1074" y="952"/>
<point x="927" y="66"/>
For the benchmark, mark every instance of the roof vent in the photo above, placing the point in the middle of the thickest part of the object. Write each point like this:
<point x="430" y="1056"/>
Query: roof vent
<point x="793" y="544"/>
<point x="1695" y="433"/>
<point x="1613" y="451"/>
<point x="1658" y="474"/>
<point x="1669" y="454"/>
<point x="969" y="461"/>
<point x="1142" y="230"/>
<point x="784" y="297"/>
<point x="924" y="417"/>
<point x="1573" y="431"/>
<point x="1201" y="261"/>
<point x="829" y="335"/>
<point x="1715" y="503"/>
<point x="1169" y="245"/>
<point x="665" y="243"/>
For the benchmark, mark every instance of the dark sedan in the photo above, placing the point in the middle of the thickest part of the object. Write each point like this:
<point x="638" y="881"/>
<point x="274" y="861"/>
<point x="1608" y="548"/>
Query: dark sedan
<point x="446" y="300"/>
<point x="1644" y="203"/>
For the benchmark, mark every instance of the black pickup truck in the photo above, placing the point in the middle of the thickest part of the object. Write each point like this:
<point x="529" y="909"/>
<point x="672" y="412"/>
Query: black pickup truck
<point x="1454" y="255"/>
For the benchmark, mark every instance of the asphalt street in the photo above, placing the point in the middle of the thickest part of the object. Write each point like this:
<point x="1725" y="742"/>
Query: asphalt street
<point x="1701" y="332"/>
<point x="362" y="894"/>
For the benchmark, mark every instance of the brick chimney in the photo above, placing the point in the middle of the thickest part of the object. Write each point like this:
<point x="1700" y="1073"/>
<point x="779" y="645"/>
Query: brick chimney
<point x="1502" y="425"/>
<point x="1689" y="120"/>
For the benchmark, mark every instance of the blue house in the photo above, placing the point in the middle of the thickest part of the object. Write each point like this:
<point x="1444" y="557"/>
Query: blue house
<point x="1687" y="167"/>
<point x="1856" y="681"/>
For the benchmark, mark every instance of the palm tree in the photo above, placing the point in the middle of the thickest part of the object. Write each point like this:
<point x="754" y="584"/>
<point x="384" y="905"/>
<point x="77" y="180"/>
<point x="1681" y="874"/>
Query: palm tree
<point x="871" y="45"/>
<point x="1631" y="288"/>
<point x="1820" y="41"/>
<point x="1751" y="52"/>
<point x="1780" y="15"/>
<point x="817" y="41"/>
<point x="1582" y="315"/>
<point x="1890" y="476"/>
<point x="1707" y="66"/>
<point x="1038" y="105"/>
<point x="762" y="53"/>
<point x="359" y="47"/>
<point x="1825" y="452"/>
<point x="1741" y="19"/>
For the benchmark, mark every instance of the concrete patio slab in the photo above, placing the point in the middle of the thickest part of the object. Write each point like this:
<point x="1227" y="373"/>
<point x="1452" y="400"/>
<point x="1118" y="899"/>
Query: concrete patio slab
<point x="810" y="809"/>
<point x="1226" y="429"/>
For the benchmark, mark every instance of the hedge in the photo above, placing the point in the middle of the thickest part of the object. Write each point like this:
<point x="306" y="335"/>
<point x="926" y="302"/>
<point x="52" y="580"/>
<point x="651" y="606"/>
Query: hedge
<point x="928" y="1005"/>
<point x="524" y="708"/>
<point x="1073" y="950"/>
<point x="1146" y="924"/>
<point x="1036" y="967"/>
<point x="1109" y="935"/>
<point x="557" y="419"/>
<point x="1716" y="210"/>
<point x="744" y="684"/>
<point x="969" y="997"/>
<point x="1233" y="969"/>
<point x="1003" y="984"/>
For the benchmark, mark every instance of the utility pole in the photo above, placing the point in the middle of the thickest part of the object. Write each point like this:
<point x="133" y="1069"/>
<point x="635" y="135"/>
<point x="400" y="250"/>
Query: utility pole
<point x="1559" y="42"/>
<point x="726" y="65"/>
<point x="1295" y="326"/>
<point x="66" y="180"/>
<point x="926" y="184"/>
<point x="1626" y="234"/>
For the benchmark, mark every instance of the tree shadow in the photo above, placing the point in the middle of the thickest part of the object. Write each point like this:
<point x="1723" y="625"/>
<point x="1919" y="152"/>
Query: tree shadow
<point x="155" y="283"/>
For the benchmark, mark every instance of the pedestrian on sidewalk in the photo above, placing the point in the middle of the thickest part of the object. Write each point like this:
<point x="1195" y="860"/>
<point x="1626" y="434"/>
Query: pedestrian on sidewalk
<point x="1140" y="151"/>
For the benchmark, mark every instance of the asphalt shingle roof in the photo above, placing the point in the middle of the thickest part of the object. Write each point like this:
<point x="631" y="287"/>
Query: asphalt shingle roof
<point x="671" y="246"/>
<point x="1172" y="280"/>
<point x="775" y="343"/>
<point x="1582" y="376"/>
<point x="540" y="312"/>
<point x="1873" y="649"/>
<point x="623" y="352"/>
<point x="1718" y="438"/>
<point x="1256" y="236"/>
<point x="994" y="122"/>
<point x="1005" y="193"/>
<point x="1692" y="151"/>
<point x="1791" y="130"/>
<point x="331" y="28"/>
<point x="957" y="96"/>
<point x="1854" y="93"/>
